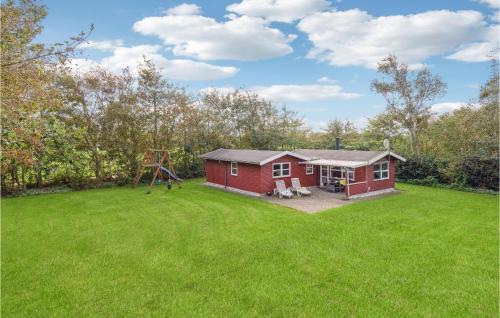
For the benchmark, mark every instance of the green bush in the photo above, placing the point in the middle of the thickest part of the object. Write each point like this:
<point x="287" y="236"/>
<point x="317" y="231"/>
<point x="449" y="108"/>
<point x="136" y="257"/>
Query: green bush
<point x="480" y="172"/>
<point x="423" y="167"/>
<point x="454" y="186"/>
<point x="468" y="172"/>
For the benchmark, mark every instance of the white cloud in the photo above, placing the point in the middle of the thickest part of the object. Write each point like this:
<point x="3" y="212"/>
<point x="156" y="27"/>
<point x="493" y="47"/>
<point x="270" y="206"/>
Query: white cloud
<point x="239" y="38"/>
<point x="326" y="79"/>
<point x="496" y="16"/>
<point x="184" y="9"/>
<point x="106" y="45"/>
<point x="82" y="65"/>
<point x="354" y="37"/>
<point x="315" y="125"/>
<point x="491" y="3"/>
<point x="303" y="93"/>
<point x="308" y="110"/>
<point x="178" y="69"/>
<point x="479" y="51"/>
<point x="447" y="107"/>
<point x="278" y="10"/>
<point x="222" y="90"/>
<point x="361" y="122"/>
<point x="295" y="93"/>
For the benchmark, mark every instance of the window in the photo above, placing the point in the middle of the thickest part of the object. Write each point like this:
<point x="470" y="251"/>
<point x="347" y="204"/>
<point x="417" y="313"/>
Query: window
<point x="234" y="168"/>
<point x="381" y="170"/>
<point x="350" y="174"/>
<point x="337" y="172"/>
<point x="309" y="169"/>
<point x="281" y="170"/>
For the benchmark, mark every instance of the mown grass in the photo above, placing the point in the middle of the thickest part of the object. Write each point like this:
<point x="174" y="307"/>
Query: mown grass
<point x="203" y="252"/>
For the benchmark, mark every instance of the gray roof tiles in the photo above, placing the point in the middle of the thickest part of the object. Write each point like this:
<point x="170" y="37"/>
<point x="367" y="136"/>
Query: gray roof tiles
<point x="347" y="155"/>
<point x="262" y="156"/>
<point x="241" y="155"/>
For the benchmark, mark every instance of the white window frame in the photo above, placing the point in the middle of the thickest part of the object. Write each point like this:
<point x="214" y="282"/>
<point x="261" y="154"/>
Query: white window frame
<point x="381" y="171"/>
<point x="350" y="173"/>
<point x="234" y="168"/>
<point x="280" y="169"/>
<point x="309" y="169"/>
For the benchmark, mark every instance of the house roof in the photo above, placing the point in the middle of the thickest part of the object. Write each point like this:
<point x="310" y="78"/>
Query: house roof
<point x="345" y="158"/>
<point x="336" y="163"/>
<point x="258" y="157"/>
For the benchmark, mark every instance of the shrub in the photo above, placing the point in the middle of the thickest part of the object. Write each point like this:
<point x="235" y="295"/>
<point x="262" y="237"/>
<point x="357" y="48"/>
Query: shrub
<point x="480" y="172"/>
<point x="423" y="167"/>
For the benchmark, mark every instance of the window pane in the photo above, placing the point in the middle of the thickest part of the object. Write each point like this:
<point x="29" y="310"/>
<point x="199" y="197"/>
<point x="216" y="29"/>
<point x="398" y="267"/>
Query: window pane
<point x="286" y="166"/>
<point x="276" y="173"/>
<point x="385" y="174"/>
<point x="309" y="169"/>
<point x="385" y="166"/>
<point x="286" y="172"/>
<point x="376" y="175"/>
<point x="276" y="166"/>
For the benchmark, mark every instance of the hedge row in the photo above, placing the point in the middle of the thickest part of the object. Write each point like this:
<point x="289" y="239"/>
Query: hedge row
<point x="469" y="172"/>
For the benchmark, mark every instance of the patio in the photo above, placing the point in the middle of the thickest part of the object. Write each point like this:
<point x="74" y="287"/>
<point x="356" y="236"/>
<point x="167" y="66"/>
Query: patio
<point x="318" y="201"/>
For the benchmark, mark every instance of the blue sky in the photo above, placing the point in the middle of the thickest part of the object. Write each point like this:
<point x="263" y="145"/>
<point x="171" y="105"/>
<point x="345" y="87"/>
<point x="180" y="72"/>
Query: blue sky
<point x="315" y="56"/>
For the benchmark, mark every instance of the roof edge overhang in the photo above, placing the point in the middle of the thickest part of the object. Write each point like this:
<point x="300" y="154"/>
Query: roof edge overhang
<point x="282" y="154"/>
<point x="313" y="160"/>
<point x="337" y="163"/>
<point x="260" y="163"/>
<point x="385" y="154"/>
<point x="203" y="155"/>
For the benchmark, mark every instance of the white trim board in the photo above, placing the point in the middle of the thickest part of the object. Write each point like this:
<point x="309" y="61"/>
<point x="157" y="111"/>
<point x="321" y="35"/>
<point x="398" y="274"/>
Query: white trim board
<point x="384" y="154"/>
<point x="281" y="154"/>
<point x="231" y="189"/>
<point x="372" y="193"/>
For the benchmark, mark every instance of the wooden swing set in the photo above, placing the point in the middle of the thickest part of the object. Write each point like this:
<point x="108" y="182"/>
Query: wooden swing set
<point x="154" y="159"/>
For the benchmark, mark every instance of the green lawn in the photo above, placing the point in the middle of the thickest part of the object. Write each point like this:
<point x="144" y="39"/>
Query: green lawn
<point x="203" y="252"/>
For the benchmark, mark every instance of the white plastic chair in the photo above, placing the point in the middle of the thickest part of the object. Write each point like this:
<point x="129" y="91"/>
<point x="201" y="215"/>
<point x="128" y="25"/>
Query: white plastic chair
<point x="298" y="188"/>
<point x="282" y="191"/>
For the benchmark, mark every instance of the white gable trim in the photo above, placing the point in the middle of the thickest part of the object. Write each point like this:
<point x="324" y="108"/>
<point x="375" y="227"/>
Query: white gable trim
<point x="281" y="154"/>
<point x="385" y="154"/>
<point x="392" y="154"/>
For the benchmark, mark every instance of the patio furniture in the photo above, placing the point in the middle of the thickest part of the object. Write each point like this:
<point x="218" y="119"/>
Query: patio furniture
<point x="333" y="186"/>
<point x="282" y="191"/>
<point x="341" y="185"/>
<point x="298" y="188"/>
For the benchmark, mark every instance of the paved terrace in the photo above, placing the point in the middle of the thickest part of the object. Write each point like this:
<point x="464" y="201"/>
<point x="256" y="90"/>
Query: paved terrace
<point x="318" y="201"/>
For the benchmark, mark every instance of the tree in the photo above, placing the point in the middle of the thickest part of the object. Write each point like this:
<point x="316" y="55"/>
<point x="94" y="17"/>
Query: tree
<point x="384" y="126"/>
<point x="29" y="96"/>
<point x="345" y="130"/>
<point x="408" y="95"/>
<point x="127" y="122"/>
<point x="473" y="129"/>
<point x="153" y="95"/>
<point x="21" y="23"/>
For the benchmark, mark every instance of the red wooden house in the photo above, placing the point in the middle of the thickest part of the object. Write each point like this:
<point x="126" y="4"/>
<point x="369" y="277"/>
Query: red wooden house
<point x="255" y="171"/>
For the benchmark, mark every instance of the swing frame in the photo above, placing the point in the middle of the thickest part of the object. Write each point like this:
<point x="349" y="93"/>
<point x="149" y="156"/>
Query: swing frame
<point x="154" y="159"/>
